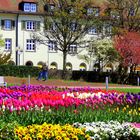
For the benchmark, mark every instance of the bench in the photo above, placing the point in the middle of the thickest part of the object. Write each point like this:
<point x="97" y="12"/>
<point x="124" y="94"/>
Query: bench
<point x="2" y="82"/>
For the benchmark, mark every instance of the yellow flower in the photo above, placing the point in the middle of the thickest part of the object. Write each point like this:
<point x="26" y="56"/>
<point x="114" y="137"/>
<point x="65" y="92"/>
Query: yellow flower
<point x="39" y="136"/>
<point x="87" y="137"/>
<point x="27" y="137"/>
<point x="127" y="106"/>
<point x="66" y="139"/>
<point x="130" y="112"/>
<point x="49" y="131"/>
<point x="63" y="134"/>
<point x="117" y="109"/>
<point x="58" y="138"/>
<point x="74" y="137"/>
<point x="124" y="109"/>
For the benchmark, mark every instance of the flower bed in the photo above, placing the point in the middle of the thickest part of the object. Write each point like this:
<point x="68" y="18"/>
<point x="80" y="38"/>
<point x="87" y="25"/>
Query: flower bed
<point x="27" y="105"/>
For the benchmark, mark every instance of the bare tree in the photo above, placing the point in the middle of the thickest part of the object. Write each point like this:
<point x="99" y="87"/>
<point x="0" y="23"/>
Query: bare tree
<point x="67" y="22"/>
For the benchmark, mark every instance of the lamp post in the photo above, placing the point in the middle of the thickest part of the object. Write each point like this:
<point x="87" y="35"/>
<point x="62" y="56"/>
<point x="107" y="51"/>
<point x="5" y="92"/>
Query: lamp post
<point x="18" y="53"/>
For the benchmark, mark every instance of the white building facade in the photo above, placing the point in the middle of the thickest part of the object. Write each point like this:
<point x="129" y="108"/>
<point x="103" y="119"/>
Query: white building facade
<point x="17" y="25"/>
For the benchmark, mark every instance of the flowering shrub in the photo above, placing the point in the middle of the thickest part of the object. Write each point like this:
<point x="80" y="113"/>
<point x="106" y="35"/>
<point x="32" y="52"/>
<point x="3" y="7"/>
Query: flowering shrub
<point x="109" y="131"/>
<point x="66" y="105"/>
<point x="27" y="105"/>
<point x="49" y="131"/>
<point x="89" y="131"/>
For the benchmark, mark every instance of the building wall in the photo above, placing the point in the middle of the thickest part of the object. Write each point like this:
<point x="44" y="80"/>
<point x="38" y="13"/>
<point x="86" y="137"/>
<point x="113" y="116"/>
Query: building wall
<point x="8" y="33"/>
<point x="41" y="53"/>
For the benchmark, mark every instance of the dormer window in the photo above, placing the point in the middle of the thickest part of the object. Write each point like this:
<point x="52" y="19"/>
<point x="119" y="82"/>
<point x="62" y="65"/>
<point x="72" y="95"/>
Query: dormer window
<point x="27" y="7"/>
<point x="30" y="7"/>
<point x="114" y="14"/>
<point x="90" y="11"/>
<point x="132" y="11"/>
<point x="33" y="7"/>
<point x="52" y="7"/>
<point x="49" y="7"/>
<point x="93" y="11"/>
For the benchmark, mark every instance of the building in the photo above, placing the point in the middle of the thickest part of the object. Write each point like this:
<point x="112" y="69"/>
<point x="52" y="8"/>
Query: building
<point x="19" y="19"/>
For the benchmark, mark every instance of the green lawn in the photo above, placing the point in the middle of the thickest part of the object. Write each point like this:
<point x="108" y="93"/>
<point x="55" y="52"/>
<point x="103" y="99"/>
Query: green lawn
<point x="134" y="90"/>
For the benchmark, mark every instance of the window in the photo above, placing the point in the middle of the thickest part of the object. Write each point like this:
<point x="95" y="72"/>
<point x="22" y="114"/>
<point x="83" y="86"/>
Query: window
<point x="132" y="11"/>
<point x="49" y="7"/>
<point x="52" y="7"/>
<point x="53" y="65"/>
<point x="30" y="7"/>
<point x="33" y="7"/>
<point x="96" y="12"/>
<point x="27" y="7"/>
<point x="114" y="14"/>
<point x="82" y="67"/>
<point x="7" y="24"/>
<point x="8" y="44"/>
<point x="52" y="46"/>
<point x="72" y="49"/>
<point x="89" y="11"/>
<point x="30" y="45"/>
<point x="108" y="29"/>
<point x="93" y="11"/>
<point x="92" y="30"/>
<point x="29" y="63"/>
<point x="73" y="26"/>
<point x="69" y="66"/>
<point x="30" y="25"/>
<point x="53" y="26"/>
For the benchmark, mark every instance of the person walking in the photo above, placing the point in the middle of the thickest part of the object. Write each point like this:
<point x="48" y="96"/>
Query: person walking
<point x="40" y="75"/>
<point x="45" y="72"/>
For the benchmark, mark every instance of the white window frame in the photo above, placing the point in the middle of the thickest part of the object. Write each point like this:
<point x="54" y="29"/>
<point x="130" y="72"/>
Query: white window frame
<point x="27" y="7"/>
<point x="92" y="31"/>
<point x="52" y="46"/>
<point x="30" y="25"/>
<point x="30" y="7"/>
<point x="33" y="7"/>
<point x="8" y="44"/>
<point x="72" y="49"/>
<point x="7" y="24"/>
<point x="30" y="45"/>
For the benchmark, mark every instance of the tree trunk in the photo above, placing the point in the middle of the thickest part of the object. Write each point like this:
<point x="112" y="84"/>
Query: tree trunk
<point x="64" y="64"/>
<point x="99" y="64"/>
<point x="131" y="74"/>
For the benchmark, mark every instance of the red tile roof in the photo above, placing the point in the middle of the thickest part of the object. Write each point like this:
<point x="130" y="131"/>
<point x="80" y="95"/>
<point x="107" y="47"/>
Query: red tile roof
<point x="12" y="5"/>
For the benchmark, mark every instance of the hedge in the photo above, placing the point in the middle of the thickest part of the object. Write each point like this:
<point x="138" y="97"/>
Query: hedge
<point x="19" y="71"/>
<point x="89" y="76"/>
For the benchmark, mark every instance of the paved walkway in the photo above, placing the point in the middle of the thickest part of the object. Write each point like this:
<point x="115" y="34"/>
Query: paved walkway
<point x="62" y="83"/>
